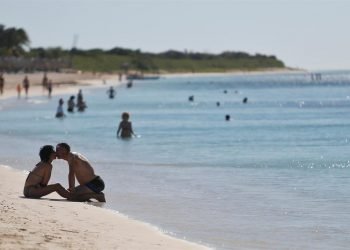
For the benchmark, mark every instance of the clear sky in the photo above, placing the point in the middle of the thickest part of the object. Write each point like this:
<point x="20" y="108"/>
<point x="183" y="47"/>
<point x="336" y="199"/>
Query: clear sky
<point x="310" y="34"/>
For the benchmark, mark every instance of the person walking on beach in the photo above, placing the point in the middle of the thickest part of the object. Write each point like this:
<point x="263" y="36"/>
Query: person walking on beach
<point x="60" y="113"/>
<point x="45" y="82"/>
<point x="2" y="84"/>
<point x="49" y="88"/>
<point x="26" y="85"/>
<point x="125" y="127"/>
<point x="36" y="184"/>
<point x="19" y="89"/>
<point x="91" y="185"/>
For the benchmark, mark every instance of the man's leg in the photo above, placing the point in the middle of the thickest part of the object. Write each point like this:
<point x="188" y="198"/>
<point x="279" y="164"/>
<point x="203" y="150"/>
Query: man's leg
<point x="83" y="193"/>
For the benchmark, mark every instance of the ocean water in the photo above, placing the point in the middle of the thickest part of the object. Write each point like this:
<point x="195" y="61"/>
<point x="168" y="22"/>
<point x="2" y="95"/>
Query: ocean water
<point x="276" y="176"/>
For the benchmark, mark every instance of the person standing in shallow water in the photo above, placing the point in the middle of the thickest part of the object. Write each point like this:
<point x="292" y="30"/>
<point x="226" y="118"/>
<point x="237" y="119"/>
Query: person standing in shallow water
<point x="111" y="92"/>
<point x="125" y="127"/>
<point x="71" y="104"/>
<point x="60" y="113"/>
<point x="80" y="101"/>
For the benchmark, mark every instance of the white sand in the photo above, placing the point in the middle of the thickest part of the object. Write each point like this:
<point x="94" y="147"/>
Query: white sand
<point x="54" y="223"/>
<point x="63" y="83"/>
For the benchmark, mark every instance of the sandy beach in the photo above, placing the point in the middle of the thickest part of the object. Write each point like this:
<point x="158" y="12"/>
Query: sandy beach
<point x="63" y="83"/>
<point x="54" y="223"/>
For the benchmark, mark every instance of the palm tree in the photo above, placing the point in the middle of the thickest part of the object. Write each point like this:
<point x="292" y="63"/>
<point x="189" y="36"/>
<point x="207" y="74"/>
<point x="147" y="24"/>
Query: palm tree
<point x="12" y="40"/>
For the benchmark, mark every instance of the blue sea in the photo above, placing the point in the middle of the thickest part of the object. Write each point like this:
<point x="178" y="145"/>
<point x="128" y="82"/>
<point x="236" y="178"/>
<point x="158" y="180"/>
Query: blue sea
<point x="276" y="176"/>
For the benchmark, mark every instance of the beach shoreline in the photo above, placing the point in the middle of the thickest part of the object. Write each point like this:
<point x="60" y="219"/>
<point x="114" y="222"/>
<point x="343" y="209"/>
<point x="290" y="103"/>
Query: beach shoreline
<point x="238" y="72"/>
<point x="66" y="83"/>
<point x="54" y="223"/>
<point x="63" y="83"/>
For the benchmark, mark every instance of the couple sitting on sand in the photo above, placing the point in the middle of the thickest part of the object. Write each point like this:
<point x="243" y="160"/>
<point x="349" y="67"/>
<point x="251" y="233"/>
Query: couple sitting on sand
<point x="90" y="186"/>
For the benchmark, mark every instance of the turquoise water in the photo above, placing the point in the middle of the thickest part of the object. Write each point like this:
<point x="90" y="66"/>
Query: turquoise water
<point x="276" y="176"/>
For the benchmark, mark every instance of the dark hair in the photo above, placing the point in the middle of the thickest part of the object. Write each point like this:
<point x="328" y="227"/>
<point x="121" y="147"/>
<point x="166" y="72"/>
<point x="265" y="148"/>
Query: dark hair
<point x="64" y="145"/>
<point x="45" y="153"/>
<point x="125" y="115"/>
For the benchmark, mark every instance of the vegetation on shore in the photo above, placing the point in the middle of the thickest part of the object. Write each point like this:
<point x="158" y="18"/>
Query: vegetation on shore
<point x="13" y="42"/>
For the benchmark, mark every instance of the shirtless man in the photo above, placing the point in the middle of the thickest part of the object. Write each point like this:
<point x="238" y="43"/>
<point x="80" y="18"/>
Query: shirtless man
<point x="91" y="185"/>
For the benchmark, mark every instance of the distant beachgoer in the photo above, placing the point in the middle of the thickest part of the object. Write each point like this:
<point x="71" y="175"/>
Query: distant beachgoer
<point x="81" y="106"/>
<point x="2" y="84"/>
<point x="80" y="101"/>
<point x="227" y="117"/>
<point x="245" y="100"/>
<point x="19" y="89"/>
<point x="129" y="84"/>
<point x="218" y="104"/>
<point x="49" y="88"/>
<point x="80" y="96"/>
<point x="191" y="98"/>
<point x="45" y="82"/>
<point x="60" y="113"/>
<point x="91" y="185"/>
<point x="36" y="184"/>
<point x="111" y="92"/>
<point x="125" y="127"/>
<point x="71" y="104"/>
<point x="120" y="77"/>
<point x="225" y="91"/>
<point x="26" y="85"/>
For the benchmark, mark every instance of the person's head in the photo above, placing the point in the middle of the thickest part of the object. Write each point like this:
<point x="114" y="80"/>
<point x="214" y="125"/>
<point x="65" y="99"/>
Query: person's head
<point x="47" y="153"/>
<point x="125" y="116"/>
<point x="62" y="150"/>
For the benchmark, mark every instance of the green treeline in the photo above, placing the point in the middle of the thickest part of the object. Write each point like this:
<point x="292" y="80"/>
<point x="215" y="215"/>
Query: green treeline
<point x="13" y="41"/>
<point x="170" y="61"/>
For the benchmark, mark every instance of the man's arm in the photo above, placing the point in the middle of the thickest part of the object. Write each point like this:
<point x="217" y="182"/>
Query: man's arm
<point x="71" y="178"/>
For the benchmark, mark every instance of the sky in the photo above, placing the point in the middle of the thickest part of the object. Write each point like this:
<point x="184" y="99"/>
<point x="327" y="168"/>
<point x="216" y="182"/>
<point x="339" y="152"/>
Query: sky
<point x="307" y="34"/>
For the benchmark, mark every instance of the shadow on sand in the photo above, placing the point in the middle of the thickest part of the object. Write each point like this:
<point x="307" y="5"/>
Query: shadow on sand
<point x="93" y="203"/>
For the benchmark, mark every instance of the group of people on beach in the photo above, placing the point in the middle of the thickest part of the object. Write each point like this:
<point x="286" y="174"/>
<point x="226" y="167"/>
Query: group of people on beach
<point x="46" y="83"/>
<point x="90" y="185"/>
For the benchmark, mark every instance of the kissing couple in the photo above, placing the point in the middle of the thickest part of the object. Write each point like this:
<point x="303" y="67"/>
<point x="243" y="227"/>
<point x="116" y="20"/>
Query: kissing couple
<point x="90" y="185"/>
